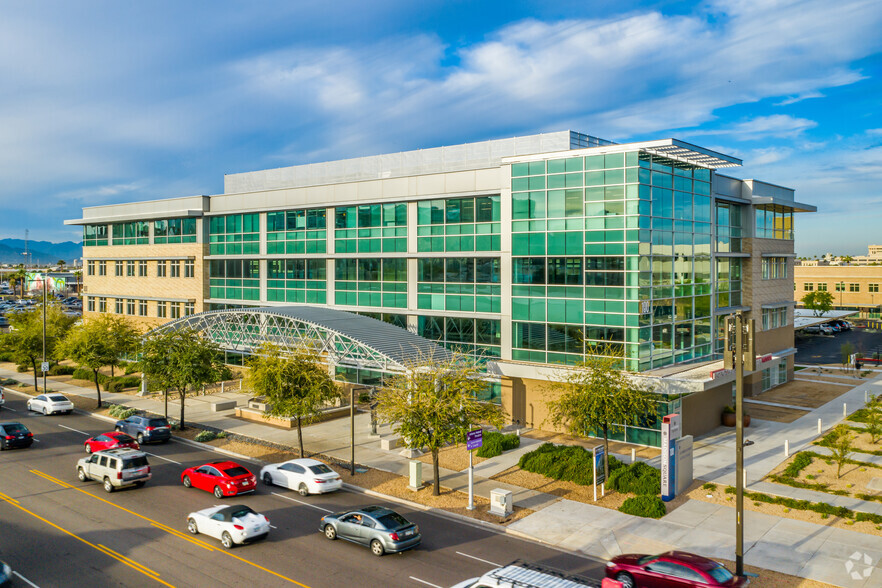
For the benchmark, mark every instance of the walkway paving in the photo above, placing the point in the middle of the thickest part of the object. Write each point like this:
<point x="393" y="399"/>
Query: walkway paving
<point x="785" y="545"/>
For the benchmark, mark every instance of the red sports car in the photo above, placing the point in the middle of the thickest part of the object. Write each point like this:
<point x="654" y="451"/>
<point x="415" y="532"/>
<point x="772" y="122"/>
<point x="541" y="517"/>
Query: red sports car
<point x="672" y="569"/>
<point x="223" y="478"/>
<point x="111" y="440"/>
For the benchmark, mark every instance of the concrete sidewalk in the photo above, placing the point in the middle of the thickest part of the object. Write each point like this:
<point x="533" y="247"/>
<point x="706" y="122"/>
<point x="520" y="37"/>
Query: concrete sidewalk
<point x="784" y="545"/>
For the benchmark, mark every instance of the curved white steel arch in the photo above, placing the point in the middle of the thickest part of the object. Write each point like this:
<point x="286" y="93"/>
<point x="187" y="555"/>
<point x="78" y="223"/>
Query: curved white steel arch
<point x="345" y="338"/>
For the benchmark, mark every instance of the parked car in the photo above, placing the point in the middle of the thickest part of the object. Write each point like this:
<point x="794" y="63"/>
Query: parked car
<point x="14" y="435"/>
<point x="843" y="325"/>
<point x="833" y="325"/>
<point x="223" y="478"/>
<point x="233" y="525"/>
<point x="146" y="429"/>
<point x="521" y="573"/>
<point x="673" y="568"/>
<point x="382" y="529"/>
<point x="2" y="397"/>
<point x="307" y="476"/>
<point x="50" y="404"/>
<point x="116" y="468"/>
<point x="111" y="440"/>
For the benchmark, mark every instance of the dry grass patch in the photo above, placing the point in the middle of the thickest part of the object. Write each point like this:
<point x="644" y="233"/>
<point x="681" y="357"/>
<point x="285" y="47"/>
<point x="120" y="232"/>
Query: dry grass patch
<point x="453" y="457"/>
<point x="719" y="496"/>
<point x="807" y="394"/>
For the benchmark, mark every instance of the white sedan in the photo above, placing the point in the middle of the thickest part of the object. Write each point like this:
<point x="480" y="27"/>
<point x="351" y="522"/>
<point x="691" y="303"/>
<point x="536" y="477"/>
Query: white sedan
<point x="50" y="403"/>
<point x="307" y="476"/>
<point x="233" y="525"/>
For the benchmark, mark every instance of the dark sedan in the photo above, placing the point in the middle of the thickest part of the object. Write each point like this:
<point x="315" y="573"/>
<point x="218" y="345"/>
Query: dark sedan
<point x="15" y="435"/>
<point x="381" y="529"/>
<point x="672" y="569"/>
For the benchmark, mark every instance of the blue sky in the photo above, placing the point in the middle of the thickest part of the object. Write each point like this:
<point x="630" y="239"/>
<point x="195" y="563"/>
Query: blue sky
<point x="105" y="102"/>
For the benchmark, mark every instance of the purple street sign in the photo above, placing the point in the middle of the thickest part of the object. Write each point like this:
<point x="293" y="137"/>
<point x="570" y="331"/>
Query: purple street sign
<point x="474" y="439"/>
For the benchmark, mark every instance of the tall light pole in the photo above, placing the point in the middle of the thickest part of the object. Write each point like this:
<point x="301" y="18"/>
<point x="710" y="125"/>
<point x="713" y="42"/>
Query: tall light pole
<point x="739" y="348"/>
<point x="43" y="365"/>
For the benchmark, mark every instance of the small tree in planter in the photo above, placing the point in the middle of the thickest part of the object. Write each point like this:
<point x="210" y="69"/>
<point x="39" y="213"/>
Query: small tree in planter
<point x="841" y="447"/>
<point x="729" y="418"/>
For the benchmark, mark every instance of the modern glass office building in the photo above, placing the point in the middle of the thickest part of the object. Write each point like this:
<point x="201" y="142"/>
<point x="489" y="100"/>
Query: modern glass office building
<point x="525" y="252"/>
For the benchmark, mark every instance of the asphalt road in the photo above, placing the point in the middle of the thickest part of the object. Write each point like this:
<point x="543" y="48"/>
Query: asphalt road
<point x="58" y="531"/>
<point x="825" y="349"/>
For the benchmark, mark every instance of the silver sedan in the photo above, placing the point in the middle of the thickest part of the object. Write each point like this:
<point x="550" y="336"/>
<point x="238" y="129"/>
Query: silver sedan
<point x="381" y="529"/>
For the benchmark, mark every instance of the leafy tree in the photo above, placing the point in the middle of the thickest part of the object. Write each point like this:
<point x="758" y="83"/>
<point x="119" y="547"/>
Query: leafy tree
<point x="124" y="339"/>
<point x="60" y="263"/>
<point x="597" y="395"/>
<point x="25" y="339"/>
<point x="436" y="402"/>
<point x="818" y="301"/>
<point x="295" y="385"/>
<point x="873" y="422"/>
<point x="841" y="446"/>
<point x="154" y="361"/>
<point x="191" y="361"/>
<point x="18" y="278"/>
<point x="845" y="351"/>
<point x="93" y="344"/>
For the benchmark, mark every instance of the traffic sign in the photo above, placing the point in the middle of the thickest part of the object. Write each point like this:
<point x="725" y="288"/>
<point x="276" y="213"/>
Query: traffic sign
<point x="474" y="439"/>
<point x="44" y="367"/>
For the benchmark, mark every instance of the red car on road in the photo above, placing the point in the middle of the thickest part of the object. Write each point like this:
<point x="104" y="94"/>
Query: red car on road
<point x="223" y="478"/>
<point x="674" y="569"/>
<point x="111" y="440"/>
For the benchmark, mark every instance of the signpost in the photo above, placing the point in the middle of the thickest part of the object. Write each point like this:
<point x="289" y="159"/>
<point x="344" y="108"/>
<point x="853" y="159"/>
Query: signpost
<point x="474" y="440"/>
<point x="599" y="472"/>
<point x="670" y="432"/>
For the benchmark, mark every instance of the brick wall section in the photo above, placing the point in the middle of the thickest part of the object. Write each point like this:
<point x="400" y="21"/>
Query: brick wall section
<point x="151" y="286"/>
<point x="863" y="275"/>
<point x="756" y="291"/>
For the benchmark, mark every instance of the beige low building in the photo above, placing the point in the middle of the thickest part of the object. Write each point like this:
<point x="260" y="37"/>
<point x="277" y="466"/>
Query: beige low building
<point x="853" y="286"/>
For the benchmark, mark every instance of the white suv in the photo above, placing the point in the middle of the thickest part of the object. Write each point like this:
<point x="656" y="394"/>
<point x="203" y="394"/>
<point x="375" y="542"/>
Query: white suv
<point x="116" y="468"/>
<point x="521" y="573"/>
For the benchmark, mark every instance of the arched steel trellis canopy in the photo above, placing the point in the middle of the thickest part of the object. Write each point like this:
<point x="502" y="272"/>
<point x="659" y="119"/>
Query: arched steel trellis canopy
<point x="343" y="337"/>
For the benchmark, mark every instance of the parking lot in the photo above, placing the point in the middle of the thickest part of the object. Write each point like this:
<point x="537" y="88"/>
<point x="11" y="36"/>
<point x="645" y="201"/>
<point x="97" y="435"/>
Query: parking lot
<point x="827" y="349"/>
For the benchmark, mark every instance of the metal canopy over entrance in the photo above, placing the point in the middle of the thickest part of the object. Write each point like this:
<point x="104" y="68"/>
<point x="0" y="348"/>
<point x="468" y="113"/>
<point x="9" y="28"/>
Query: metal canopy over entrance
<point x="345" y="338"/>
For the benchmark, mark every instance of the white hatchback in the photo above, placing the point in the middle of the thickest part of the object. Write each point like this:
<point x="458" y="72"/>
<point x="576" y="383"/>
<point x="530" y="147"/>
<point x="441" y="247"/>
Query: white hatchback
<point x="233" y="525"/>
<point x="307" y="476"/>
<point x="51" y="404"/>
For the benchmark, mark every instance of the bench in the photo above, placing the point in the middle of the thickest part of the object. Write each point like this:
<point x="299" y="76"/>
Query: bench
<point x="389" y="443"/>
<point x="219" y="405"/>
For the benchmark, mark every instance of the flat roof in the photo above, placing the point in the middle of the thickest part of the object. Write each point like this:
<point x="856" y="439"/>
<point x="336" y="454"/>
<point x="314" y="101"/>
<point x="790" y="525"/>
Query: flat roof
<point x="803" y="317"/>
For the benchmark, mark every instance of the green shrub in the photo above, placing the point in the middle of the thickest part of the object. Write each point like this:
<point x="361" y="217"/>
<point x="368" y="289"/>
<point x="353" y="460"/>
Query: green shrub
<point x="62" y="370"/>
<point x="113" y="386"/>
<point x="494" y="443"/>
<point x="859" y="416"/>
<point x="6" y="356"/>
<point x="129" y="381"/>
<point x="637" y="478"/>
<point x="21" y="368"/>
<point x="86" y="374"/>
<point x="709" y="486"/>
<point x="205" y="436"/>
<point x="644" y="506"/>
<point x="132" y="368"/>
<point x="570" y="463"/>
<point x="8" y="382"/>
<point x="802" y="460"/>
<point x="120" y="411"/>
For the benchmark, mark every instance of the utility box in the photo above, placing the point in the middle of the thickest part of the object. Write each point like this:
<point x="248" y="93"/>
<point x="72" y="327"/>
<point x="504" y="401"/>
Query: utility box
<point x="501" y="502"/>
<point x="416" y="475"/>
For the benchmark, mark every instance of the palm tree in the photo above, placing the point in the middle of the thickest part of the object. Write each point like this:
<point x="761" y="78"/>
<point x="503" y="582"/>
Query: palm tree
<point x="18" y="277"/>
<point x="60" y="264"/>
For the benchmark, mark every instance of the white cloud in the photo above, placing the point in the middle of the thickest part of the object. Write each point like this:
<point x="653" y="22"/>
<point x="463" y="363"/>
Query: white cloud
<point x="794" y="99"/>
<point x="776" y="125"/>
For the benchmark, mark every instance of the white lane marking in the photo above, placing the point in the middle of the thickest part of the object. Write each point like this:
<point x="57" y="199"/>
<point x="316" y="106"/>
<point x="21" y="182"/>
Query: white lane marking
<point x="74" y="430"/>
<point x="303" y="503"/>
<point x="273" y="527"/>
<point x="479" y="559"/>
<point x="424" y="582"/>
<point x="26" y="580"/>
<point x="13" y="410"/>
<point x="160" y="457"/>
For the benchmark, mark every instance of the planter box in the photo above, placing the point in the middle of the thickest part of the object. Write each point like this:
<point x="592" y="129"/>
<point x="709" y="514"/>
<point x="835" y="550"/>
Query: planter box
<point x="728" y="419"/>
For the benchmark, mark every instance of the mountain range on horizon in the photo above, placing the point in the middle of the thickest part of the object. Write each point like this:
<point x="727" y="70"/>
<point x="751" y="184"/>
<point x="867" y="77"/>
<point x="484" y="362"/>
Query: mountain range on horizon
<point x="40" y="252"/>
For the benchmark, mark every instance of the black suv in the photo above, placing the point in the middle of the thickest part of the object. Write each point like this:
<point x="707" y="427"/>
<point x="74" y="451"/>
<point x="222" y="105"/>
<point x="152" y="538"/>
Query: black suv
<point x="145" y="429"/>
<point x="15" y="435"/>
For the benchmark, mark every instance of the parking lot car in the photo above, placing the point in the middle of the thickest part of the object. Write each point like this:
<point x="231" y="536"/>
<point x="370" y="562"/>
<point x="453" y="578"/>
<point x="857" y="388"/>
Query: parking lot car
<point x="111" y="440"/>
<point x="223" y="478"/>
<point x="382" y="529"/>
<point x="14" y="435"/>
<point x="674" y="569"/>
<point x="50" y="404"/>
<point x="233" y="525"/>
<point x="833" y="325"/>
<point x="115" y="468"/>
<point x="146" y="429"/>
<point x="2" y="397"/>
<point x="826" y="329"/>
<point x="307" y="476"/>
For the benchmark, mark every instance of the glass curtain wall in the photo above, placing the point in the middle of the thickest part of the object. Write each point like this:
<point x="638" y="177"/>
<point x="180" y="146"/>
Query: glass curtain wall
<point x="296" y="231"/>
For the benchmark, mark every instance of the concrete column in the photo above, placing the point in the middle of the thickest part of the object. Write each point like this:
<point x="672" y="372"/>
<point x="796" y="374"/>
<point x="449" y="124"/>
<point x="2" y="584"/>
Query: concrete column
<point x="505" y="265"/>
